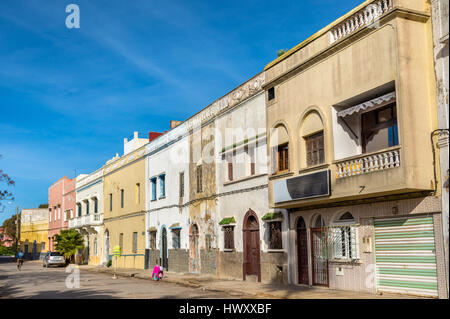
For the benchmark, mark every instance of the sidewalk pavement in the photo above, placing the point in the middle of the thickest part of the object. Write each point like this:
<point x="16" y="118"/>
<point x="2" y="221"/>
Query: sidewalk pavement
<point x="246" y="289"/>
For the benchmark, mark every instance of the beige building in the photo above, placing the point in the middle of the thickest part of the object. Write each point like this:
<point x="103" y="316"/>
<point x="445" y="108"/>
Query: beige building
<point x="124" y="205"/>
<point x="350" y="112"/>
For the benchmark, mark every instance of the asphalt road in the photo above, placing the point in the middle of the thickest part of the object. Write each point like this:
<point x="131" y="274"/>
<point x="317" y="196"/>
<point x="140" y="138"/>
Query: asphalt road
<point x="34" y="281"/>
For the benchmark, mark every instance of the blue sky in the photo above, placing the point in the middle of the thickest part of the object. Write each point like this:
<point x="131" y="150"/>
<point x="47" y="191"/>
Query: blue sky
<point x="68" y="97"/>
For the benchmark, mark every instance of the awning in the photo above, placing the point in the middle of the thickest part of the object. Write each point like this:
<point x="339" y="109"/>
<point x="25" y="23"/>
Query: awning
<point x="152" y="229"/>
<point x="368" y="104"/>
<point x="271" y="216"/>
<point x="227" y="221"/>
<point x="175" y="226"/>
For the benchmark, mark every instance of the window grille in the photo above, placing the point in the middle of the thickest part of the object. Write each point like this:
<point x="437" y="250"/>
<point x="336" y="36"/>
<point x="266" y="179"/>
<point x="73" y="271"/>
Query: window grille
<point x="275" y="235"/>
<point x="342" y="242"/>
<point x="176" y="239"/>
<point x="228" y="237"/>
<point x="153" y="240"/>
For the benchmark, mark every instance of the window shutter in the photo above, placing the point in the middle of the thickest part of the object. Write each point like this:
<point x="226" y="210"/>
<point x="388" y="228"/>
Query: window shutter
<point x="273" y="164"/>
<point x="355" y="246"/>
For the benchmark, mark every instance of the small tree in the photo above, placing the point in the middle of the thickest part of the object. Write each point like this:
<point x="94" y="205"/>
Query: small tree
<point x="10" y="228"/>
<point x="281" y="52"/>
<point x="4" y="194"/>
<point x="68" y="242"/>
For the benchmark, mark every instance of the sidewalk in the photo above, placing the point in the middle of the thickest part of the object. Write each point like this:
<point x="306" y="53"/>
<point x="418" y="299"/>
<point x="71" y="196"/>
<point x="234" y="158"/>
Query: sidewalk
<point x="236" y="288"/>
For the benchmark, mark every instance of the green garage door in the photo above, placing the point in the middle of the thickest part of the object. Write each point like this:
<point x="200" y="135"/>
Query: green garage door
<point x="405" y="256"/>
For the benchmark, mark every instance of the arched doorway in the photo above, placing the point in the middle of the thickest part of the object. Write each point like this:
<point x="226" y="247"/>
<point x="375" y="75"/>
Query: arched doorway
<point x="193" y="249"/>
<point x="319" y="252"/>
<point x="302" y="252"/>
<point x="251" y="264"/>
<point x="164" y="259"/>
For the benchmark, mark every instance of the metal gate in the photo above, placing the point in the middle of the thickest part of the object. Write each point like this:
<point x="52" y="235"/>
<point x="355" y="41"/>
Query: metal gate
<point x="405" y="256"/>
<point x="319" y="257"/>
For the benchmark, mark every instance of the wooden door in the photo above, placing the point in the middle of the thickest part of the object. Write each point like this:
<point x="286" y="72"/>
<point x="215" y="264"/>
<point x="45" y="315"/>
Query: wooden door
<point x="302" y="253"/>
<point x="251" y="264"/>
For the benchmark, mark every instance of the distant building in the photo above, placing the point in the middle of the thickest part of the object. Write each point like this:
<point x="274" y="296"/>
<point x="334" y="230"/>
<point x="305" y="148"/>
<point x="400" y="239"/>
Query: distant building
<point x="34" y="232"/>
<point x="61" y="201"/>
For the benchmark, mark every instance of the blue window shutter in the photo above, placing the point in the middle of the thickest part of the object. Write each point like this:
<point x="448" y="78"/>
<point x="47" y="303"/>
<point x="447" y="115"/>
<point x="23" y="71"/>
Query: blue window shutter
<point x="153" y="188"/>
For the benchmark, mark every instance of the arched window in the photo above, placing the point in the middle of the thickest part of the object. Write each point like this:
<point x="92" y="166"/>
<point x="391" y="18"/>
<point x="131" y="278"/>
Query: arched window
<point x="279" y="145"/>
<point x="312" y="140"/>
<point x="319" y="222"/>
<point x="344" y="238"/>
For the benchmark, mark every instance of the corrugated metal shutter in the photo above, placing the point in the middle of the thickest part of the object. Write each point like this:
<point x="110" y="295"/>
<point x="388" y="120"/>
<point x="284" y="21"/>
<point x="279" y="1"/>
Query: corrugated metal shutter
<point x="405" y="256"/>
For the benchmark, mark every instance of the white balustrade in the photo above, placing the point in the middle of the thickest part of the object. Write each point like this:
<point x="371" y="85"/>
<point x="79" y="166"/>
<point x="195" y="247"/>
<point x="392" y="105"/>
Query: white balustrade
<point x="364" y="17"/>
<point x="368" y="163"/>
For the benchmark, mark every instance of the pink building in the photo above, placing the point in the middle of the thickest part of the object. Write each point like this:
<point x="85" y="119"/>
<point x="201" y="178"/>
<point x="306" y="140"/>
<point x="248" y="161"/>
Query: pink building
<point x="5" y="240"/>
<point x="61" y="204"/>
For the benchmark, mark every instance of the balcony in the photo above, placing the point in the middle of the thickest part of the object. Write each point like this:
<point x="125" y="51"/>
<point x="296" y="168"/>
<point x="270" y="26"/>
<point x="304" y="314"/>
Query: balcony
<point x="368" y="163"/>
<point x="86" y="221"/>
<point x="369" y="14"/>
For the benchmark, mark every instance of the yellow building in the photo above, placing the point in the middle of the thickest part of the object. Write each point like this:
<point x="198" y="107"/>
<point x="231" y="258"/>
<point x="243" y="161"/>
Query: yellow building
<point x="34" y="232"/>
<point x="124" y="204"/>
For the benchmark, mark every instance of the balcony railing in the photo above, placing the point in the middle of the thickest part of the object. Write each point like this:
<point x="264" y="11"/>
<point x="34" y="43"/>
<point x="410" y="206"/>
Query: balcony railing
<point x="86" y="220"/>
<point x="368" y="163"/>
<point x="363" y="17"/>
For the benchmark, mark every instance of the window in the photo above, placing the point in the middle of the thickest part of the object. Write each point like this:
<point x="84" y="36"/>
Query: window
<point x="176" y="239"/>
<point x="121" y="242"/>
<point x="228" y="237"/>
<point x="275" y="235"/>
<point x="153" y="240"/>
<point x="110" y="202"/>
<point x="344" y="238"/>
<point x="162" y="186"/>
<point x="251" y="154"/>
<point x="87" y="207"/>
<point x="50" y="214"/>
<point x="314" y="149"/>
<point x="271" y="93"/>
<point x="208" y="242"/>
<point x="379" y="129"/>
<point x="43" y="246"/>
<point x="283" y="158"/>
<point x="95" y="205"/>
<point x="79" y="210"/>
<point x="153" y="182"/>
<point x="199" y="179"/>
<point x="95" y="246"/>
<point x="138" y="193"/>
<point x="135" y="239"/>
<point x="230" y="166"/>
<point x="121" y="198"/>
<point x="182" y="184"/>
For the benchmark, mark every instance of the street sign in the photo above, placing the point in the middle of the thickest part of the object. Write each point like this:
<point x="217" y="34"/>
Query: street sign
<point x="116" y="251"/>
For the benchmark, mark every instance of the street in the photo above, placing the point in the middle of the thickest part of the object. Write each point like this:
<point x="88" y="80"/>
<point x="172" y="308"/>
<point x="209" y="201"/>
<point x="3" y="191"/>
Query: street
<point x="34" y="281"/>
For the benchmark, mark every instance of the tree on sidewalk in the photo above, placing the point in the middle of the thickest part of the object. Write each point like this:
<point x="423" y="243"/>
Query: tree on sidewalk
<point x="10" y="229"/>
<point x="68" y="242"/>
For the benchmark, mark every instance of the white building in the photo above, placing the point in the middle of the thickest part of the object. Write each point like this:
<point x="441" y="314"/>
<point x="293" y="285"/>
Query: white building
<point x="88" y="216"/>
<point x="167" y="195"/>
<point x="440" y="15"/>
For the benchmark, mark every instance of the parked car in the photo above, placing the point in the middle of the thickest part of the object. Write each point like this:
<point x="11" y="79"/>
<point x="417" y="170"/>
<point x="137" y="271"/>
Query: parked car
<point x="53" y="258"/>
